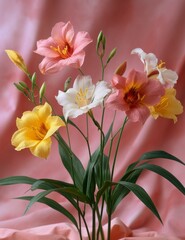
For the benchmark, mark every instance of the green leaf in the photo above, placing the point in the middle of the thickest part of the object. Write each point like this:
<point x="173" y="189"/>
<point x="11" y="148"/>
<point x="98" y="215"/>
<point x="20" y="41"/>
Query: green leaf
<point x="120" y="191"/>
<point x="164" y="173"/>
<point x="47" y="184"/>
<point x="71" y="192"/>
<point x="87" y="183"/>
<point x="159" y="154"/>
<point x="142" y="195"/>
<point x="53" y="204"/>
<point x="71" y="163"/>
<point x="17" y="180"/>
<point x="103" y="189"/>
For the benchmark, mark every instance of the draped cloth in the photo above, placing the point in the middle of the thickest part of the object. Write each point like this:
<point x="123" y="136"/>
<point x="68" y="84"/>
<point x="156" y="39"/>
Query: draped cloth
<point x="156" y="26"/>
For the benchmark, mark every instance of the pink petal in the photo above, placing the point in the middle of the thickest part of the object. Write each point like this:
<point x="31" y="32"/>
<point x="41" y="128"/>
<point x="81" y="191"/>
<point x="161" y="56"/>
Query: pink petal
<point x="136" y="77"/>
<point x="75" y="61"/>
<point x="48" y="65"/>
<point x="118" y="81"/>
<point x="139" y="114"/>
<point x="44" y="48"/>
<point x="81" y="40"/>
<point x="63" y="33"/>
<point x="115" y="101"/>
<point x="153" y="92"/>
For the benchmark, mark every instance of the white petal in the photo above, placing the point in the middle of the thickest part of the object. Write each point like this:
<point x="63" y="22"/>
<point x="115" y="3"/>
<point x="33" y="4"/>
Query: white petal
<point x="149" y="59"/>
<point x="167" y="76"/>
<point x="73" y="111"/>
<point x="82" y="82"/>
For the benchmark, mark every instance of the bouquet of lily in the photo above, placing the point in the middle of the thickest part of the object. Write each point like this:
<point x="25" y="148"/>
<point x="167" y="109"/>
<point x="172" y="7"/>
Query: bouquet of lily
<point x="138" y="95"/>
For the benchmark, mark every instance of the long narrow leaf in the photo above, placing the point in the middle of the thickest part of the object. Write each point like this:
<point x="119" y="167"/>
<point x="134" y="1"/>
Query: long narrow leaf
<point x="120" y="191"/>
<point x="53" y="204"/>
<point x="164" y="173"/>
<point x="159" y="154"/>
<point x="91" y="165"/>
<point x="17" y="180"/>
<point x="142" y="195"/>
<point x="71" y="163"/>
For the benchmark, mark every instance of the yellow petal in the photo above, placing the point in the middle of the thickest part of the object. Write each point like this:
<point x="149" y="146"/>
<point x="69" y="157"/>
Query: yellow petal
<point x="24" y="138"/>
<point x="17" y="59"/>
<point x="43" y="111"/>
<point x="168" y="107"/>
<point x="53" y="123"/>
<point x="28" y="119"/>
<point x="42" y="149"/>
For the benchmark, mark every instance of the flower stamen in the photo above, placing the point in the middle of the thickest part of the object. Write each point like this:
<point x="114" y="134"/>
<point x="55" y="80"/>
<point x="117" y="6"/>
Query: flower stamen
<point x="40" y="131"/>
<point x="132" y="96"/>
<point x="65" y="52"/>
<point x="81" y="98"/>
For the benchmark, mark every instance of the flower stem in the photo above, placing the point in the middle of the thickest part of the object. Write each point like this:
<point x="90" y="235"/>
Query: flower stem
<point x="117" y="147"/>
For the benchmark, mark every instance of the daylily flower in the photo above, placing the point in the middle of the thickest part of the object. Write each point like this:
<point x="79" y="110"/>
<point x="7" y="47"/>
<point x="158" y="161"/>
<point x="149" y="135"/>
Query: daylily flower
<point x="82" y="97"/>
<point x="35" y="129"/>
<point x="63" y="48"/>
<point x="168" y="107"/>
<point x="135" y="94"/>
<point x="156" y="69"/>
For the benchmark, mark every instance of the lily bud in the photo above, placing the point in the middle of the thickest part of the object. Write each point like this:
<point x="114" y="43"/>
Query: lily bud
<point x="17" y="59"/>
<point x="33" y="80"/>
<point x="99" y="38"/>
<point x="67" y="83"/>
<point x="121" y="69"/>
<point x="111" y="55"/>
<point x="42" y="91"/>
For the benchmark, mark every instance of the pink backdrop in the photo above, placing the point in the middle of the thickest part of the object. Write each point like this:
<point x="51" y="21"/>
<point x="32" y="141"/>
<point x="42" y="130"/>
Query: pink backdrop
<point x="156" y="26"/>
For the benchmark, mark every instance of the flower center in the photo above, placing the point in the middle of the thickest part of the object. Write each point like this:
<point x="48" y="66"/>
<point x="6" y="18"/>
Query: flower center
<point x="132" y="96"/>
<point x="81" y="98"/>
<point x="64" y="51"/>
<point x="41" y="131"/>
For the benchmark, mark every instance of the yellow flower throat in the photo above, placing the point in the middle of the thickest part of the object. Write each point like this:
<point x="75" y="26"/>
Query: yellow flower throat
<point x="81" y="98"/>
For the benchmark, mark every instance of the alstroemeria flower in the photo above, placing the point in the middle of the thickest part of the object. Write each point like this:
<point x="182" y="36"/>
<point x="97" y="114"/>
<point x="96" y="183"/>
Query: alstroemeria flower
<point x="35" y="129"/>
<point x="156" y="69"/>
<point x="135" y="94"/>
<point x="63" y="48"/>
<point x="82" y="97"/>
<point x="168" y="107"/>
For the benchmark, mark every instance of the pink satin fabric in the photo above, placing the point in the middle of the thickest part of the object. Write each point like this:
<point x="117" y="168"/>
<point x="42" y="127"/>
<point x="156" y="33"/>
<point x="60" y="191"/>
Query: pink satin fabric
<point x="156" y="26"/>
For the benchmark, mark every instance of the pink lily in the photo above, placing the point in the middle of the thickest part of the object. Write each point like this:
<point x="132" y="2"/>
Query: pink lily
<point x="63" y="48"/>
<point x="134" y="95"/>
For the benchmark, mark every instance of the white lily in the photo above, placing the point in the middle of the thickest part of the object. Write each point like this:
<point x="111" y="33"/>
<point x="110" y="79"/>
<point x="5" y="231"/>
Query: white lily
<point x="82" y="97"/>
<point x="154" y="69"/>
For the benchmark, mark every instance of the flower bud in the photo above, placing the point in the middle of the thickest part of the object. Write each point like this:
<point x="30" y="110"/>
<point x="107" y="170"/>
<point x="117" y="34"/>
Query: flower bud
<point x="33" y="80"/>
<point x="17" y="59"/>
<point x="99" y="38"/>
<point x="111" y="55"/>
<point x="24" y="85"/>
<point x="67" y="83"/>
<point x="121" y="69"/>
<point x="42" y="91"/>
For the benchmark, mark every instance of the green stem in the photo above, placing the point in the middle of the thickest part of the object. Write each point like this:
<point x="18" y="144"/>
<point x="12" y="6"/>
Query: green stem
<point x="103" y="68"/>
<point x="93" y="223"/>
<point x="109" y="227"/>
<point x="99" y="215"/>
<point x="117" y="147"/>
<point x="81" y="72"/>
